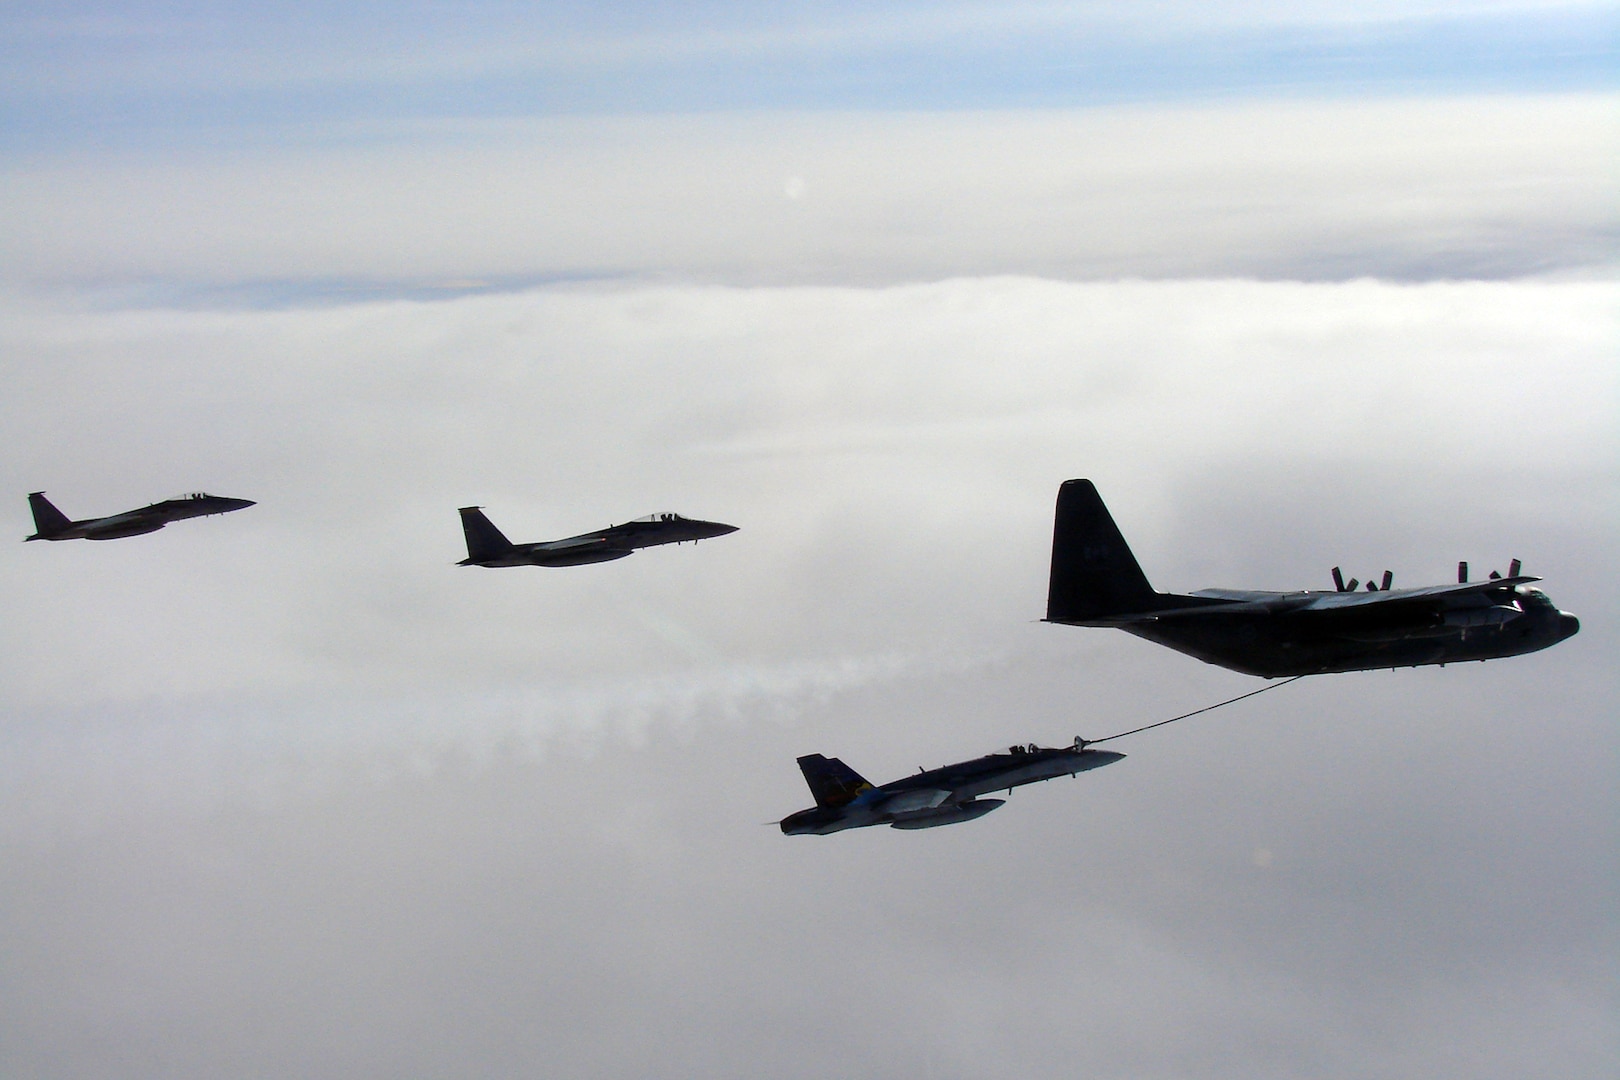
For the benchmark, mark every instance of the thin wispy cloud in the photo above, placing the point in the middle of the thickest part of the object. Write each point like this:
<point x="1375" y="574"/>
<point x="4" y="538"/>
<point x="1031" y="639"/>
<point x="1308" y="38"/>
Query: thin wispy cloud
<point x="1465" y="188"/>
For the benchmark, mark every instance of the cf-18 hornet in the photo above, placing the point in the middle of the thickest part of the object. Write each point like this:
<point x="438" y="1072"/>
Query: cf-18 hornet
<point x="1096" y="582"/>
<point x="51" y="524"/>
<point x="487" y="546"/>
<point x="944" y="796"/>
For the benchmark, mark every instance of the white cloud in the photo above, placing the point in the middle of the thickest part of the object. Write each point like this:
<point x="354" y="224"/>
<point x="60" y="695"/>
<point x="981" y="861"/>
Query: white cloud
<point x="871" y="444"/>
<point x="287" y="793"/>
<point x="1494" y="187"/>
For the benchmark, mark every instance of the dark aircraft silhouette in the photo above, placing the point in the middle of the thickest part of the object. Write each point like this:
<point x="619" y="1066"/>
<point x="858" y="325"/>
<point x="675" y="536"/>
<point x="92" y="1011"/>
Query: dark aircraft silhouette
<point x="486" y="546"/>
<point x="941" y="796"/>
<point x="51" y="524"/>
<point x="1096" y="582"/>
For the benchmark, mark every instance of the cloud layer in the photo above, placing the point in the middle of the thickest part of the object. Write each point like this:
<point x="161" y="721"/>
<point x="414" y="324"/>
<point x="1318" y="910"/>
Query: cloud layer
<point x="1402" y="189"/>
<point x="287" y="793"/>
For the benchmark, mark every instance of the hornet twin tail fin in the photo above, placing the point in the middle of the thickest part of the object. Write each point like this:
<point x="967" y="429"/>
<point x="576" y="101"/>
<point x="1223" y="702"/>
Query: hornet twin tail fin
<point x="831" y="781"/>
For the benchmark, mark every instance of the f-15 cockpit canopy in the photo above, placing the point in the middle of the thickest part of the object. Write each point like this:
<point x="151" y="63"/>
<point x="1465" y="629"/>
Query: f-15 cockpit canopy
<point x="655" y="518"/>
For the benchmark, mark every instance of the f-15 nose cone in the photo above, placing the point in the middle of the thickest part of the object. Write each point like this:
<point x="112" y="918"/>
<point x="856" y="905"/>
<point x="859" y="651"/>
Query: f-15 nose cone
<point x="1568" y="625"/>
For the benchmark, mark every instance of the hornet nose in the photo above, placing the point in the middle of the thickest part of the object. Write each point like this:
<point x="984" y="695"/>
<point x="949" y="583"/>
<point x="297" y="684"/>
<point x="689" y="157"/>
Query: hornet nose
<point x="1568" y="625"/>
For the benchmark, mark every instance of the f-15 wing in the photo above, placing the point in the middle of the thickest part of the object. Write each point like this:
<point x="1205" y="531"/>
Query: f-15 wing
<point x="574" y="543"/>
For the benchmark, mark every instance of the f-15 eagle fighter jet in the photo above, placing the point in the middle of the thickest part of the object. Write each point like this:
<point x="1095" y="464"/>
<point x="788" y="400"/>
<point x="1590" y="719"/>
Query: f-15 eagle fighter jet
<point x="488" y="546"/>
<point x="51" y="524"/>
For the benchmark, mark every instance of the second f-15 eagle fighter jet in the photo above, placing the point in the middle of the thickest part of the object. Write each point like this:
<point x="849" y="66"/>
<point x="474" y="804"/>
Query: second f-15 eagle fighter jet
<point x="1097" y="582"/>
<point x="944" y="796"/>
<point x="487" y="546"/>
<point x="51" y="524"/>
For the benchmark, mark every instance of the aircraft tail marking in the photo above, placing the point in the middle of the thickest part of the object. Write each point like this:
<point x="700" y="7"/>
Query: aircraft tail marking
<point x="48" y="520"/>
<point x="831" y="781"/>
<point x="484" y="540"/>
<point x="1094" y="574"/>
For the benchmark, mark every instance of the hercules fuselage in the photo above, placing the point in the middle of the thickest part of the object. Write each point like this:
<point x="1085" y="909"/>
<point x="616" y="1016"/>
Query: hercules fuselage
<point x="1306" y="633"/>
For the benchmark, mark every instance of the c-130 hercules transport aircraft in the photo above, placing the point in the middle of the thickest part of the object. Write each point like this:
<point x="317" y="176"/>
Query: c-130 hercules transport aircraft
<point x="51" y="524"/>
<point x="488" y="546"/>
<point x="1097" y="582"/>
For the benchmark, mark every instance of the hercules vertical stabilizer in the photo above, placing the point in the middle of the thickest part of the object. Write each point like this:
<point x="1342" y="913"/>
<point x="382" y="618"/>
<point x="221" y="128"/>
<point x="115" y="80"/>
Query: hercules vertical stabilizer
<point x="1095" y="578"/>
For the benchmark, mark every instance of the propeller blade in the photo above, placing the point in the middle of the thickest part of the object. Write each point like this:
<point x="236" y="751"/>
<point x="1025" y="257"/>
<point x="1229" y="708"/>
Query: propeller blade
<point x="1372" y="586"/>
<point x="1496" y="575"/>
<point x="1352" y="586"/>
<point x="1514" y="567"/>
<point x="1338" y="580"/>
<point x="1389" y="579"/>
<point x="1462" y="573"/>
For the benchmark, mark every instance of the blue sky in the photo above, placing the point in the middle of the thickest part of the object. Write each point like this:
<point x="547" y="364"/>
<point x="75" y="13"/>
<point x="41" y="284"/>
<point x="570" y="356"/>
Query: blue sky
<point x="128" y="73"/>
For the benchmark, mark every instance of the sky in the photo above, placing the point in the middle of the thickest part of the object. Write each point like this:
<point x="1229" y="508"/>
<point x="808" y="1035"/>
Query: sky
<point x="286" y="792"/>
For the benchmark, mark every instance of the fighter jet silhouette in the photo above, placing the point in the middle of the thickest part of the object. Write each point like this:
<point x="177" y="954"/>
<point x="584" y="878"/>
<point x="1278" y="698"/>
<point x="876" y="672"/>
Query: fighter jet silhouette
<point x="51" y="524"/>
<point x="487" y="546"/>
<point x="943" y="796"/>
